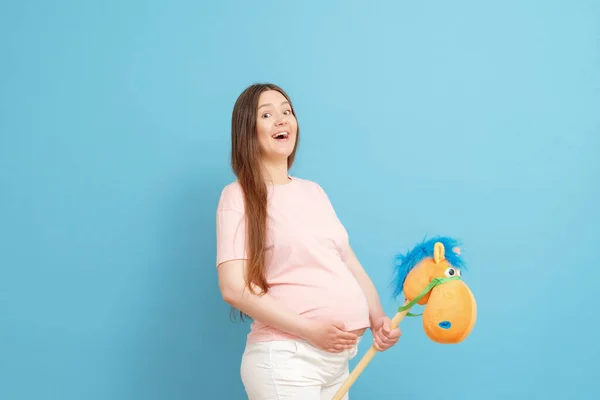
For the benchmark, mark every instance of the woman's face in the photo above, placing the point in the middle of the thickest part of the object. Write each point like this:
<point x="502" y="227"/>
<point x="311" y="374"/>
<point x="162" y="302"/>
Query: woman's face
<point x="276" y="126"/>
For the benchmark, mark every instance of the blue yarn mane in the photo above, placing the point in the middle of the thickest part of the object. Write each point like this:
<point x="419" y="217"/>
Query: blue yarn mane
<point x="404" y="263"/>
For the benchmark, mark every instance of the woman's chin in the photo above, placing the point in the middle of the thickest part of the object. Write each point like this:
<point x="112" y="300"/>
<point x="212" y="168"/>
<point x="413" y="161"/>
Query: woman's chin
<point x="279" y="154"/>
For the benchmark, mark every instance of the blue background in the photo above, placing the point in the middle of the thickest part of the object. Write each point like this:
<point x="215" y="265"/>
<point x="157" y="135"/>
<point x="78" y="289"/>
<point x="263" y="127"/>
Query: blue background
<point x="479" y="120"/>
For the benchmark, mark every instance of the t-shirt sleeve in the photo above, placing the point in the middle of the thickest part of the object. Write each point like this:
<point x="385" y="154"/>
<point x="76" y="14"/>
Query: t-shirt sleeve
<point x="326" y="200"/>
<point x="343" y="241"/>
<point x="231" y="227"/>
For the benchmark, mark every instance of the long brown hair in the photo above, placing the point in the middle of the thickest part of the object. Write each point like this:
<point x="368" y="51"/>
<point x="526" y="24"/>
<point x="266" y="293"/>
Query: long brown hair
<point x="246" y="165"/>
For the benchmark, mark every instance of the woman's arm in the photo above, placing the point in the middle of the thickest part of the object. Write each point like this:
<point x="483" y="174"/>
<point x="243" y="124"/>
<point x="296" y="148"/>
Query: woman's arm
<point x="327" y="335"/>
<point x="259" y="307"/>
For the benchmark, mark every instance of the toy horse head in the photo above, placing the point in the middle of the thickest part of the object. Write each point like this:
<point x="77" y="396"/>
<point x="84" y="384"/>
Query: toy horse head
<point x="431" y="276"/>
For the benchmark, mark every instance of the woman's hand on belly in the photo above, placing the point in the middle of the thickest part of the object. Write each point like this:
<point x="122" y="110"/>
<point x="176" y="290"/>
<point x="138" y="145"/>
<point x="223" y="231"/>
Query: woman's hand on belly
<point x="330" y="336"/>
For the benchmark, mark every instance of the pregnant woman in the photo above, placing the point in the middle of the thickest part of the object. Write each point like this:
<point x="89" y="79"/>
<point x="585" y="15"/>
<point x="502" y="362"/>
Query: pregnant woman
<point x="284" y="259"/>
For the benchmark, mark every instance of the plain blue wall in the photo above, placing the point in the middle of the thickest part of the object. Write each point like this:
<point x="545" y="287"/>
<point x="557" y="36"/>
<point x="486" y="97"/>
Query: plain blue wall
<point x="474" y="119"/>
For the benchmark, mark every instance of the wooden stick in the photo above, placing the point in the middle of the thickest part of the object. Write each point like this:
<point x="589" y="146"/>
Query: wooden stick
<point x="360" y="367"/>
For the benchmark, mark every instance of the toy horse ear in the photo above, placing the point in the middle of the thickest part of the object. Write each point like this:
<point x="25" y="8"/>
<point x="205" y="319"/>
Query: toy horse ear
<point x="438" y="252"/>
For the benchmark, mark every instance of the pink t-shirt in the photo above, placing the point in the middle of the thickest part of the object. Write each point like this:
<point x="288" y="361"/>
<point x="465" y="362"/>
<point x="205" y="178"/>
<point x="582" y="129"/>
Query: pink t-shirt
<point x="305" y="249"/>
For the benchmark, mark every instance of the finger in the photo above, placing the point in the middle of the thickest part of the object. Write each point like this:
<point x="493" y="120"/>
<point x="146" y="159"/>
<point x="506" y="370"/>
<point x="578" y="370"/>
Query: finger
<point x="345" y="345"/>
<point x="387" y="345"/>
<point x="395" y="334"/>
<point x="346" y="342"/>
<point x="336" y="349"/>
<point x="392" y="333"/>
<point x="383" y="343"/>
<point x="377" y="343"/>
<point x="339" y="325"/>
<point x="386" y="328"/>
<point x="386" y="337"/>
<point x="347" y="335"/>
<point x="388" y="341"/>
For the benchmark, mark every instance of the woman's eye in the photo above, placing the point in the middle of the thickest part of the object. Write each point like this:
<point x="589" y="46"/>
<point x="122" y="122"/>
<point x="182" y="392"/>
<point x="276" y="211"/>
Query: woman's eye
<point x="266" y="115"/>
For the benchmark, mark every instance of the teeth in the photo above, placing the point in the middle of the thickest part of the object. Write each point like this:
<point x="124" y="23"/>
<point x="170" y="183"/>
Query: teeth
<point x="282" y="135"/>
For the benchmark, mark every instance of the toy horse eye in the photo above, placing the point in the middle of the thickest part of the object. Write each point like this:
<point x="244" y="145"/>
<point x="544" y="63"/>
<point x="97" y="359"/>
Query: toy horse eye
<point x="450" y="272"/>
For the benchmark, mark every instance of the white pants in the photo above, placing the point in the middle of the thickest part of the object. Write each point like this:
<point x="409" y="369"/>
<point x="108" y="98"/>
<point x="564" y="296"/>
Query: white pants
<point x="293" y="370"/>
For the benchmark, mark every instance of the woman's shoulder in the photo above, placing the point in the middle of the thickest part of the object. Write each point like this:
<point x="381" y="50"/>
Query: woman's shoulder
<point x="232" y="197"/>
<point x="308" y="184"/>
<point x="232" y="189"/>
<point x="304" y="183"/>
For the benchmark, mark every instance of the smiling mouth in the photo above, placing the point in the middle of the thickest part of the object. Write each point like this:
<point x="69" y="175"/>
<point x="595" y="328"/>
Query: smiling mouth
<point x="281" y="136"/>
